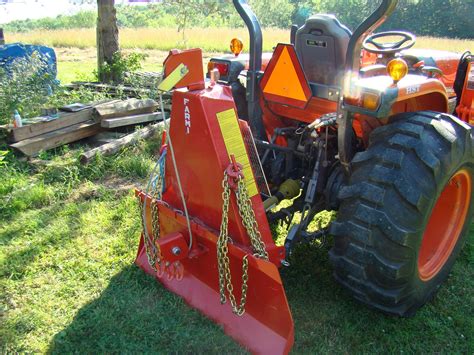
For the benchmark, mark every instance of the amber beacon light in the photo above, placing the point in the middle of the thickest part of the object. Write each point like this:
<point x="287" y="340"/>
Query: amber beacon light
<point x="397" y="69"/>
<point x="236" y="46"/>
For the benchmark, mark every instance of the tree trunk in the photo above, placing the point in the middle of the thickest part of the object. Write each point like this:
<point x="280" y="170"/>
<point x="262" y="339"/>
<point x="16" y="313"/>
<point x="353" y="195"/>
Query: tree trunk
<point x="107" y="38"/>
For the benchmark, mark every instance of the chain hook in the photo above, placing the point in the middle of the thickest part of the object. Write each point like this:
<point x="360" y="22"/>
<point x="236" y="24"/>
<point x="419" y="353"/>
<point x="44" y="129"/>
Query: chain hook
<point x="234" y="173"/>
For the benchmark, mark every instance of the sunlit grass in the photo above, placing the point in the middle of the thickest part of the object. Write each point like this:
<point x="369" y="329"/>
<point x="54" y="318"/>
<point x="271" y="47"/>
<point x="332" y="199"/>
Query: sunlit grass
<point x="69" y="235"/>
<point x="209" y="39"/>
<point x="69" y="284"/>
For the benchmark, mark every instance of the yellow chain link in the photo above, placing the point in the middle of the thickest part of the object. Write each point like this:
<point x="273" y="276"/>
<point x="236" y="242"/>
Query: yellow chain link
<point x="249" y="221"/>
<point x="152" y="248"/>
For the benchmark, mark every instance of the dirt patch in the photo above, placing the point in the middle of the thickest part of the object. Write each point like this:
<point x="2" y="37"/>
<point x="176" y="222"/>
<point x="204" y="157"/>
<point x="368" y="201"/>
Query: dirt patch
<point x="114" y="185"/>
<point x="119" y="185"/>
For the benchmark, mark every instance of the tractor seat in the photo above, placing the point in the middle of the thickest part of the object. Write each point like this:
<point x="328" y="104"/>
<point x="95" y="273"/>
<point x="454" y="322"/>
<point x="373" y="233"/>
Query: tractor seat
<point x="321" y="45"/>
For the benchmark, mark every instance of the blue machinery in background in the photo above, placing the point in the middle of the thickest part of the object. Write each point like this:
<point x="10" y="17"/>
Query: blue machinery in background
<point x="11" y="52"/>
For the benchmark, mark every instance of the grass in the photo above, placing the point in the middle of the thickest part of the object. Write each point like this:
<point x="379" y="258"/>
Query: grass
<point x="77" y="59"/>
<point x="209" y="39"/>
<point x="68" y="284"/>
<point x="68" y="239"/>
<point x="75" y="64"/>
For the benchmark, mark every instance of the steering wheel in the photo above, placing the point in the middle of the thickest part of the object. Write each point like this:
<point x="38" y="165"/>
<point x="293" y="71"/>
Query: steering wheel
<point x="408" y="40"/>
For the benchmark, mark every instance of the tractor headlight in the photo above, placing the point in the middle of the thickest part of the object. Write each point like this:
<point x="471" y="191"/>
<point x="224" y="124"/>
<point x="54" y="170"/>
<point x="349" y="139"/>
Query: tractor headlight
<point x="370" y="101"/>
<point x="397" y="69"/>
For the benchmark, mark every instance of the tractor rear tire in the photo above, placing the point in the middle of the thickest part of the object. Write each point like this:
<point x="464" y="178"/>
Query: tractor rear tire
<point x="405" y="213"/>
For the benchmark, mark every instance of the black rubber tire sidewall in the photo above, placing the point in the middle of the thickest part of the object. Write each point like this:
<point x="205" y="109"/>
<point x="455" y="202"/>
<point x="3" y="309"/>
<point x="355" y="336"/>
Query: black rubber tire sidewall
<point x="362" y="262"/>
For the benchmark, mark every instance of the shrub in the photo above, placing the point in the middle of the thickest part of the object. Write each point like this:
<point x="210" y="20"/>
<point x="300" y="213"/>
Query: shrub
<point x="121" y="64"/>
<point x="24" y="86"/>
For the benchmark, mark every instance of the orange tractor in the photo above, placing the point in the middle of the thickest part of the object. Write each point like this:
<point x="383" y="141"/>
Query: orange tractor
<point x="357" y="123"/>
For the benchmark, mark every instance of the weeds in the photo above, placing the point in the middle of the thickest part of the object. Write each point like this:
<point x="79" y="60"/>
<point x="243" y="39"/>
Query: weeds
<point x="24" y="187"/>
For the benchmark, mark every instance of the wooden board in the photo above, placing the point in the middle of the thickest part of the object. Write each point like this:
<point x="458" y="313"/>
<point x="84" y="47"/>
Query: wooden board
<point x="117" y="144"/>
<point x="33" y="146"/>
<point x="131" y="120"/>
<point x="65" y="119"/>
<point x="37" y="129"/>
<point x="126" y="108"/>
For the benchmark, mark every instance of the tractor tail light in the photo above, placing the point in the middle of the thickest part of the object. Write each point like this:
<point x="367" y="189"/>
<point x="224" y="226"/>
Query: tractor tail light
<point x="222" y="67"/>
<point x="470" y="78"/>
<point x="236" y="46"/>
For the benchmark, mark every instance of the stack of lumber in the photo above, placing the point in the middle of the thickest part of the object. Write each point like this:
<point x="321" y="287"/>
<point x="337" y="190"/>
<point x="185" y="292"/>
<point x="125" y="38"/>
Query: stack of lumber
<point x="129" y="112"/>
<point x="89" y="121"/>
<point x="67" y="128"/>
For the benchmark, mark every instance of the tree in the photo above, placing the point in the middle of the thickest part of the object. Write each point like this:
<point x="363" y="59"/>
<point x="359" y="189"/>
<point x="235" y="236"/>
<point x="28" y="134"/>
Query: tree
<point x="185" y="10"/>
<point x="273" y="13"/>
<point x="107" y="38"/>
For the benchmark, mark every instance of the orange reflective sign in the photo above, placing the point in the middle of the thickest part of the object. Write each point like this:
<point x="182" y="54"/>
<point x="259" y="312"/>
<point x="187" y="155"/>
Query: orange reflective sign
<point x="284" y="80"/>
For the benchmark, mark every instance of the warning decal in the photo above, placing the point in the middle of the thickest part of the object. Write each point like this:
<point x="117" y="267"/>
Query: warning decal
<point x="234" y="143"/>
<point x="284" y="80"/>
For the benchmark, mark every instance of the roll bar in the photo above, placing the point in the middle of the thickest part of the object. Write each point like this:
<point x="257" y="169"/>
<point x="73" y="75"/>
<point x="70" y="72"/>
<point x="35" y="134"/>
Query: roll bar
<point x="352" y="67"/>
<point x="377" y="18"/>
<point x="255" y="65"/>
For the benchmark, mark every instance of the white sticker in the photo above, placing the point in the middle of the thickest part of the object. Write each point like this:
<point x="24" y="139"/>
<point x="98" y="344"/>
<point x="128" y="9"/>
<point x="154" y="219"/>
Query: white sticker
<point x="187" y="116"/>
<point x="413" y="89"/>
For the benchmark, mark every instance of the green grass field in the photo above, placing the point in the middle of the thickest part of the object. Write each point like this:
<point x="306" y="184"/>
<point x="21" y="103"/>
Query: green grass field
<point x="209" y="39"/>
<point x="77" y="55"/>
<point x="76" y="64"/>
<point x="68" y="237"/>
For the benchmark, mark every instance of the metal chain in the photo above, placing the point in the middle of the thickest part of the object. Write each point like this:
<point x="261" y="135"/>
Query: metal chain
<point x="249" y="221"/>
<point x="248" y="217"/>
<point x="152" y="248"/>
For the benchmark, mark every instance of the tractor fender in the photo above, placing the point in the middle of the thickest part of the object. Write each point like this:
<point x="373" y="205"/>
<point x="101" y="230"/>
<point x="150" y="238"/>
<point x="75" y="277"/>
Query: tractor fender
<point x="412" y="93"/>
<point x="430" y="94"/>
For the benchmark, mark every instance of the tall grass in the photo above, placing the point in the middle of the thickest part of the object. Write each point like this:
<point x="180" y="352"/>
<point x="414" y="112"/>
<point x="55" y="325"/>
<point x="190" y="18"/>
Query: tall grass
<point x="209" y="39"/>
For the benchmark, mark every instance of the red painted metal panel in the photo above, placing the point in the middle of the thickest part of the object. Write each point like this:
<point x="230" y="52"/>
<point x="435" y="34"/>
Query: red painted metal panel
<point x="465" y="110"/>
<point x="192" y="59"/>
<point x="202" y="157"/>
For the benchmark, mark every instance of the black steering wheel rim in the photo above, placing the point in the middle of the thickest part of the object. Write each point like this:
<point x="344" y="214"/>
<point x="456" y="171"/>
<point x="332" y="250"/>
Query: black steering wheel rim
<point x="408" y="40"/>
